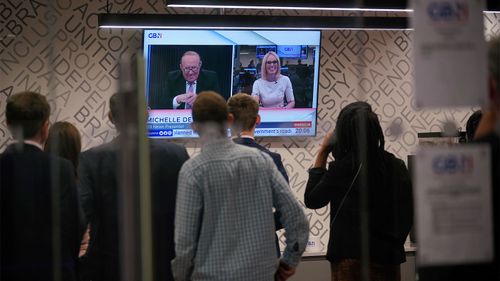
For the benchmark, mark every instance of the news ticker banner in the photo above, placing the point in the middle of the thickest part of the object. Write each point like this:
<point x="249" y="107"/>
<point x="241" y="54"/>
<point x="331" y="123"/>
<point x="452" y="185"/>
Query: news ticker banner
<point x="276" y="122"/>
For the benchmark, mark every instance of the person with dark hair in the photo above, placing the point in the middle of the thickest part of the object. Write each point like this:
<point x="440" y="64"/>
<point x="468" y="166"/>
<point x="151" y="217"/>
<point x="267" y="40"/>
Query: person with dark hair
<point x="39" y="238"/>
<point x="472" y="123"/>
<point x="251" y="64"/>
<point x="183" y="85"/>
<point x="488" y="132"/>
<point x="362" y="165"/>
<point x="99" y="187"/>
<point x="245" y="112"/>
<point x="64" y="141"/>
<point x="224" y="224"/>
<point x="273" y="89"/>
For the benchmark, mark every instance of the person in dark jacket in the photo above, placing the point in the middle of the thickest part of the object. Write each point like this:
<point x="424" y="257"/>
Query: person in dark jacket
<point x="40" y="226"/>
<point x="99" y="189"/>
<point x="362" y="165"/>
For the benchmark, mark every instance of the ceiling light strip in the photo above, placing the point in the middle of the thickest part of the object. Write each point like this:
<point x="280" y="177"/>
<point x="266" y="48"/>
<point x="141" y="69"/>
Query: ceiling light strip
<point x="290" y="8"/>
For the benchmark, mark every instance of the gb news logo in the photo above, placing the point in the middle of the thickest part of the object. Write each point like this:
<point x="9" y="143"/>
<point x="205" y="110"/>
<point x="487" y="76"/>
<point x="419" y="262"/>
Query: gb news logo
<point x="155" y="35"/>
<point x="459" y="164"/>
<point x="448" y="13"/>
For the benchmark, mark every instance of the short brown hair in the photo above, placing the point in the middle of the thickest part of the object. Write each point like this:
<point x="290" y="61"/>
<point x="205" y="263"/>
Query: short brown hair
<point x="25" y="113"/>
<point x="210" y="114"/>
<point x="210" y="107"/>
<point x="245" y="110"/>
<point x="64" y="141"/>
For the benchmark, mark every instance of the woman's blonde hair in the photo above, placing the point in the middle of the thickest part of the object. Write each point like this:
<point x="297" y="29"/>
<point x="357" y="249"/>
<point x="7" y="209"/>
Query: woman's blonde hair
<point x="263" y="69"/>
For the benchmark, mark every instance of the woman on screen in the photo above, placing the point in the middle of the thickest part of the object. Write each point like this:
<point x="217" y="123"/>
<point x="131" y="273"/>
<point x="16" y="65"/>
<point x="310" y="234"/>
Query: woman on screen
<point x="273" y="89"/>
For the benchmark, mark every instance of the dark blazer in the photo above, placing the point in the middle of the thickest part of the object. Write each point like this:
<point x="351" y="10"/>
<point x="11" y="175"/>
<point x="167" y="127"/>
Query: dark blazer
<point x="175" y="84"/>
<point x="99" y="191"/>
<point x="390" y="207"/>
<point x="275" y="156"/>
<point x="27" y="226"/>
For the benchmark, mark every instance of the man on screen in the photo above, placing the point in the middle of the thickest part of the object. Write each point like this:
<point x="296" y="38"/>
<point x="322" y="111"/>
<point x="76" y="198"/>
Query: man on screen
<point x="184" y="84"/>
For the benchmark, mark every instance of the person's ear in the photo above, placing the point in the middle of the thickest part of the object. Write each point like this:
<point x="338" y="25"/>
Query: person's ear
<point x="230" y="119"/>
<point x="257" y="120"/>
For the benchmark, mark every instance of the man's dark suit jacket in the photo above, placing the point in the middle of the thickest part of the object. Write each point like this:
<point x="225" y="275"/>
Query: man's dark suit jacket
<point x="27" y="226"/>
<point x="99" y="191"/>
<point x="277" y="161"/>
<point x="275" y="156"/>
<point x="175" y="84"/>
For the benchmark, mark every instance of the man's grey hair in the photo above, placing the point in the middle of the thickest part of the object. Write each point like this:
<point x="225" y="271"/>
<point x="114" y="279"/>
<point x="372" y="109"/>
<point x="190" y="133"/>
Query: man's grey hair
<point x="191" y="53"/>
<point x="494" y="58"/>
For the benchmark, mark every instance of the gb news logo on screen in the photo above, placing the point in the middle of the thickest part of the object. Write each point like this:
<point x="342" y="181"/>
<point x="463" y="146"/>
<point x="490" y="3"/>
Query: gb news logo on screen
<point x="155" y="35"/>
<point x="448" y="13"/>
<point x="461" y="164"/>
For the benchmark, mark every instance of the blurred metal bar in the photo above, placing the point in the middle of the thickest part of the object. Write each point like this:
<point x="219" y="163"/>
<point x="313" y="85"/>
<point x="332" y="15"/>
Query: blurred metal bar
<point x="134" y="191"/>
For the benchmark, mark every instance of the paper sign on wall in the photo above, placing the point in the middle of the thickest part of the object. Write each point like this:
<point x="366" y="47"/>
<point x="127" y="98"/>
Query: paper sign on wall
<point x="450" y="53"/>
<point x="453" y="205"/>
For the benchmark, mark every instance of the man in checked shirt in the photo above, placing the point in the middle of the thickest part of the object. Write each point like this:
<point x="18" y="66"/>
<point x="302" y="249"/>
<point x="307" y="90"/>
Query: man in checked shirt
<point x="224" y="223"/>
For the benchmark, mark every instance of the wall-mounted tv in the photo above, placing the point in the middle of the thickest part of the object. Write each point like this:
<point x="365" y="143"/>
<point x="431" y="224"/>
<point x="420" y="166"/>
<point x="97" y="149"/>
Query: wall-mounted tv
<point x="182" y="63"/>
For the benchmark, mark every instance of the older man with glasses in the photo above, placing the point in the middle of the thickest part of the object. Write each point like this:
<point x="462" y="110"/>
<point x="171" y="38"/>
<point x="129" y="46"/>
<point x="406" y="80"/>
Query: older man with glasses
<point x="185" y="83"/>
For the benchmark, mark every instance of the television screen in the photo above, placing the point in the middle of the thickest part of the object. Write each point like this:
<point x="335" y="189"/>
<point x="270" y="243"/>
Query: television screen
<point x="182" y="63"/>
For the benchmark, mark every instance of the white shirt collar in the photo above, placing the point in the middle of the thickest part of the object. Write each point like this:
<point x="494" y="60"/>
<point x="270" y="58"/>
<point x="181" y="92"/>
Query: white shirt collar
<point x="34" y="143"/>
<point x="244" y="137"/>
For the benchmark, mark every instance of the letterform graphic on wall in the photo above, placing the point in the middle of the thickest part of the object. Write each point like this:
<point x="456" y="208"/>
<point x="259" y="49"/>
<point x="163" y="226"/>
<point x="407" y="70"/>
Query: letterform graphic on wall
<point x="374" y="66"/>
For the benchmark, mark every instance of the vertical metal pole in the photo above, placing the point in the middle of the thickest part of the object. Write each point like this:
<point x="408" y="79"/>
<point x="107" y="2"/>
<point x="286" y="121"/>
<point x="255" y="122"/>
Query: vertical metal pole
<point x="363" y="179"/>
<point x="54" y="166"/>
<point x="134" y="179"/>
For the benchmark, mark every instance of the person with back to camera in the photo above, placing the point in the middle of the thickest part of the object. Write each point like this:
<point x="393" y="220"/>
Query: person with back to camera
<point x="488" y="132"/>
<point x="390" y="208"/>
<point x="65" y="141"/>
<point x="224" y="223"/>
<point x="38" y="199"/>
<point x="183" y="85"/>
<point x="99" y="187"/>
<point x="273" y="89"/>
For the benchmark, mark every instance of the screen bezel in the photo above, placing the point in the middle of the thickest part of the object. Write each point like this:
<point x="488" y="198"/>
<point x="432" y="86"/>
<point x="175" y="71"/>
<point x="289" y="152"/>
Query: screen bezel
<point x="316" y="74"/>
